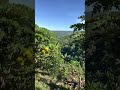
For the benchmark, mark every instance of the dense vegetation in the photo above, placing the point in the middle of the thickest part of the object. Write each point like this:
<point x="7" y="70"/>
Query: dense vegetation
<point x="16" y="46"/>
<point x="61" y="58"/>
<point x="52" y="67"/>
<point x="102" y="51"/>
<point x="63" y="33"/>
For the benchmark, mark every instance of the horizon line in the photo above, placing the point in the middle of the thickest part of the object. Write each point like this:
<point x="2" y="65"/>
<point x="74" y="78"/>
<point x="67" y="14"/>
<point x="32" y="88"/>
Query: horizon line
<point x="61" y="30"/>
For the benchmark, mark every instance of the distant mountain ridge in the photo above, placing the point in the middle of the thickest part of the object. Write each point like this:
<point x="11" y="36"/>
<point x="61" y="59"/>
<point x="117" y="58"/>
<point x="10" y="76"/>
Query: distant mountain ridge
<point x="63" y="33"/>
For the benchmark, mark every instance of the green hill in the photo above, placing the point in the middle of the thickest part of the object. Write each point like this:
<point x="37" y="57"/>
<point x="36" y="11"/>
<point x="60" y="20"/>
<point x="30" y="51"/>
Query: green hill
<point x="63" y="33"/>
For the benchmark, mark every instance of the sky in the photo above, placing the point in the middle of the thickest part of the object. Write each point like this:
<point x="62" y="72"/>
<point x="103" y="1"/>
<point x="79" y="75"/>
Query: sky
<point x="58" y="14"/>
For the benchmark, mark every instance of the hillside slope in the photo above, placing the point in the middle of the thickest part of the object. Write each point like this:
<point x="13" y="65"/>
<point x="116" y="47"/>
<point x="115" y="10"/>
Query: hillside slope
<point x="63" y="33"/>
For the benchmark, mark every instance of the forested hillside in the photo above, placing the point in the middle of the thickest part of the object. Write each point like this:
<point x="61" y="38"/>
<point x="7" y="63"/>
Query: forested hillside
<point x="59" y="61"/>
<point x="63" y="33"/>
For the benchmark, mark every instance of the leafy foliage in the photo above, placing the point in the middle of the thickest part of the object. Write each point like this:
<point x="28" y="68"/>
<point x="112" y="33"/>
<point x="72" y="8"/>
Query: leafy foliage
<point x="103" y="48"/>
<point x="16" y="45"/>
<point x="79" y="26"/>
<point x="50" y="58"/>
<point x="102" y="52"/>
<point x="48" y="54"/>
<point x="73" y="47"/>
